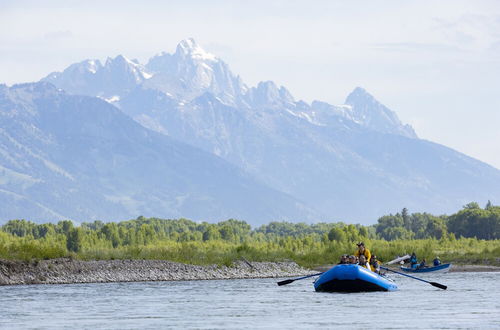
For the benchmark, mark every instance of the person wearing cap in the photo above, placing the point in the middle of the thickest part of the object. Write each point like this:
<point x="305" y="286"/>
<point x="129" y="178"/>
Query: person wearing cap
<point x="437" y="261"/>
<point x="362" y="250"/>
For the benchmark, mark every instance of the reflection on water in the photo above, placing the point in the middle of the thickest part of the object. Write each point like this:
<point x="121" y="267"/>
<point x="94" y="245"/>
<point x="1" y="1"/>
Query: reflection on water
<point x="471" y="301"/>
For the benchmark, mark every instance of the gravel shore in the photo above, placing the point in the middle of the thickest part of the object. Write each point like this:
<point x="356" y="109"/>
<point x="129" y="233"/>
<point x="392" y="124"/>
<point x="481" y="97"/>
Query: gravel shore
<point x="65" y="271"/>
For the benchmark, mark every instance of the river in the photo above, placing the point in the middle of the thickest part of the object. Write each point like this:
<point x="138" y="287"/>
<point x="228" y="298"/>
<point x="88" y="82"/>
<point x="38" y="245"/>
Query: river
<point x="471" y="301"/>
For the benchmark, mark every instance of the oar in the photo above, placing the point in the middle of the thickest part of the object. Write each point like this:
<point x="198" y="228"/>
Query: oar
<point x="437" y="285"/>
<point x="285" y="282"/>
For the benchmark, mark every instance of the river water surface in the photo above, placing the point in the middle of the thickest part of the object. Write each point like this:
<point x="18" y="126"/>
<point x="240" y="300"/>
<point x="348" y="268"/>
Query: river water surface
<point x="471" y="301"/>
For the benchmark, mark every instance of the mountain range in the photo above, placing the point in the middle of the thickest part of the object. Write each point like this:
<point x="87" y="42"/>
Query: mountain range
<point x="182" y="136"/>
<point x="78" y="157"/>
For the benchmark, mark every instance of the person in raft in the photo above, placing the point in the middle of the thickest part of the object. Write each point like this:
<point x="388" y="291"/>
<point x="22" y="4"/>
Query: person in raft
<point x="422" y="264"/>
<point x="363" y="251"/>
<point x="413" y="260"/>
<point x="344" y="259"/>
<point x="437" y="261"/>
<point x="352" y="260"/>
<point x="363" y="263"/>
<point x="375" y="264"/>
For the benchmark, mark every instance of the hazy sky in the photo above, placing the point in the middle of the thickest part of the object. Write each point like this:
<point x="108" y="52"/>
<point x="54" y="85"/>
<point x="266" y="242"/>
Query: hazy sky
<point x="436" y="63"/>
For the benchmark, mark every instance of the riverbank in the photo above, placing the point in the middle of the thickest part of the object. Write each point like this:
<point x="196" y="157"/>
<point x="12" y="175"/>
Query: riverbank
<point x="66" y="271"/>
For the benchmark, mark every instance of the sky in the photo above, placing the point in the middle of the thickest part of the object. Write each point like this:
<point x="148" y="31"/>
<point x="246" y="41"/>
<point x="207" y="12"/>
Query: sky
<point x="435" y="63"/>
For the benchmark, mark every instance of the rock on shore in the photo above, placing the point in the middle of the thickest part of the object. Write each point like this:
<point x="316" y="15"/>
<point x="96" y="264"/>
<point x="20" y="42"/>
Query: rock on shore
<point x="64" y="271"/>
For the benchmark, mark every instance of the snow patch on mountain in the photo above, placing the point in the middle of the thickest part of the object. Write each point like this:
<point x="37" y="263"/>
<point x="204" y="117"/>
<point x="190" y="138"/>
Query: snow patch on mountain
<point x="189" y="47"/>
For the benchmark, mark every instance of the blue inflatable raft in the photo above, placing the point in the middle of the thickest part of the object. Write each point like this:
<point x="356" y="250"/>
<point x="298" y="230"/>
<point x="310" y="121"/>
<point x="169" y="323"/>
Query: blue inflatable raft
<point x="352" y="278"/>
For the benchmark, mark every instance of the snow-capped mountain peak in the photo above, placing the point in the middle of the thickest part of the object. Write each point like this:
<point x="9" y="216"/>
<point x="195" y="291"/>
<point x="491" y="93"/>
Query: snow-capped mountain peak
<point x="192" y="71"/>
<point x="268" y="94"/>
<point x="189" y="47"/>
<point x="115" y="78"/>
<point x="90" y="66"/>
<point x="123" y="64"/>
<point x="368" y="112"/>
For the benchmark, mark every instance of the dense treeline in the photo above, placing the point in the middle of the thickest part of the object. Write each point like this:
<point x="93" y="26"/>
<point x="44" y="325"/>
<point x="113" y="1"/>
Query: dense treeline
<point x="461" y="235"/>
<point x="471" y="221"/>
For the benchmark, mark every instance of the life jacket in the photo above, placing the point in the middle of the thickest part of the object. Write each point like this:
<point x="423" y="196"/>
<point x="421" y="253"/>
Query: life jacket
<point x="364" y="266"/>
<point x="366" y="253"/>
<point x="375" y="268"/>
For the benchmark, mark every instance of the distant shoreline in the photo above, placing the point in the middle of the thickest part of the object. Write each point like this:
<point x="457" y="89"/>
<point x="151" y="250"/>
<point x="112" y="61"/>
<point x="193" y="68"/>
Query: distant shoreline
<point x="455" y="268"/>
<point x="474" y="268"/>
<point x="70" y="271"/>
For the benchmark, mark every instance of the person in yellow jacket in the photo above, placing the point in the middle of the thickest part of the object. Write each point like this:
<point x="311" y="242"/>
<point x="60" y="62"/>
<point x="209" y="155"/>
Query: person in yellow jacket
<point x="375" y="264"/>
<point x="362" y="250"/>
<point x="363" y="262"/>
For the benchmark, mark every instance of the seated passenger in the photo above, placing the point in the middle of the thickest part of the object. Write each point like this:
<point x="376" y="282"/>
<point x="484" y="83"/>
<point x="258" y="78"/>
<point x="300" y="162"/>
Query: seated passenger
<point x="422" y="264"/>
<point x="363" y="263"/>
<point x="375" y="264"/>
<point x="413" y="260"/>
<point x="362" y="250"/>
<point x="344" y="259"/>
<point x="437" y="261"/>
<point x="352" y="260"/>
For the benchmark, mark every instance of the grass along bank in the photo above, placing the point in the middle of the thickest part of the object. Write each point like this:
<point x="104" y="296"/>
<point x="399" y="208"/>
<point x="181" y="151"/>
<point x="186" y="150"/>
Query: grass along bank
<point x="304" y="251"/>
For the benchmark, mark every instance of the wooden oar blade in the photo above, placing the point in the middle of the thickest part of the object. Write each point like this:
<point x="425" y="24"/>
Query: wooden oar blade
<point x="285" y="282"/>
<point x="437" y="285"/>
